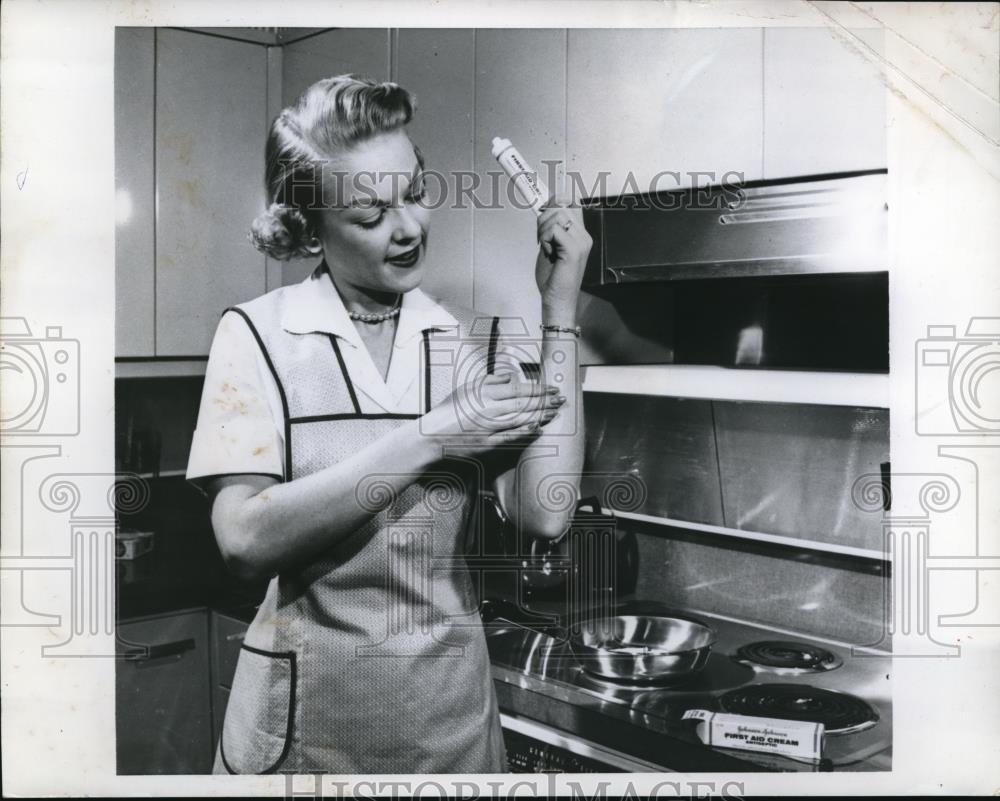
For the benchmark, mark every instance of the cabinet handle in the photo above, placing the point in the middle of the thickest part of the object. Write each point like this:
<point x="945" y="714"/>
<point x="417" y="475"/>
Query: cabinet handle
<point x="164" y="650"/>
<point x="237" y="637"/>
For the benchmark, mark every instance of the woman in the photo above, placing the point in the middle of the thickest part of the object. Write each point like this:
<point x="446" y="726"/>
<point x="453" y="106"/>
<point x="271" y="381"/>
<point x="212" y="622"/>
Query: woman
<point x="341" y="455"/>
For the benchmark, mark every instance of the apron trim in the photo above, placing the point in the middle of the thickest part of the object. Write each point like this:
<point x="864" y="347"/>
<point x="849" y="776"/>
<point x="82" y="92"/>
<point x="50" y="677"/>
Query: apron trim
<point x="323" y="418"/>
<point x="290" y="656"/>
<point x="343" y="370"/>
<point x="427" y="369"/>
<point x="491" y="354"/>
<point x="277" y="381"/>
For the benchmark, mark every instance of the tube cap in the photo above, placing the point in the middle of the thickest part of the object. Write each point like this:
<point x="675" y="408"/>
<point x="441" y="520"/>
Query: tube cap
<point x="499" y="145"/>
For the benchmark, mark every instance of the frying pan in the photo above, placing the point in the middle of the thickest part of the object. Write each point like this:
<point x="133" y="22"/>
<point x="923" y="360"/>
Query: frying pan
<point x="630" y="648"/>
<point x="643" y="648"/>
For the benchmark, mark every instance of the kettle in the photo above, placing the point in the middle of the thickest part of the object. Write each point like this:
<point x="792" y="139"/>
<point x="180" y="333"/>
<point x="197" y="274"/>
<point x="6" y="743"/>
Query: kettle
<point x="591" y="547"/>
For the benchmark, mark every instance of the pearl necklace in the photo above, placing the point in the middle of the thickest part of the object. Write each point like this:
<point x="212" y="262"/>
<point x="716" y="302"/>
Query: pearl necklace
<point x="375" y="318"/>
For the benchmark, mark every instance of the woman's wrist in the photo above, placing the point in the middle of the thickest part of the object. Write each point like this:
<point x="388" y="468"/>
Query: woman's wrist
<point x="417" y="448"/>
<point x="560" y="313"/>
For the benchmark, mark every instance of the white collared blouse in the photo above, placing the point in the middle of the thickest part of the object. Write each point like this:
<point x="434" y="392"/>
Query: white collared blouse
<point x="240" y="423"/>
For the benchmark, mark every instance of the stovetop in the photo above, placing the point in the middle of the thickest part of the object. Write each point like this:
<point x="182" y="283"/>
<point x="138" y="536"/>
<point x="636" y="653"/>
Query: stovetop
<point x="854" y="688"/>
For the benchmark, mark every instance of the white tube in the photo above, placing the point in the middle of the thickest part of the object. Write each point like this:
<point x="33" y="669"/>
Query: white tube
<point x="526" y="181"/>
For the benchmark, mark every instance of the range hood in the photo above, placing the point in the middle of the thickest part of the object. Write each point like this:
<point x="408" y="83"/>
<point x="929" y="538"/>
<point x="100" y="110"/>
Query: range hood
<point x="794" y="226"/>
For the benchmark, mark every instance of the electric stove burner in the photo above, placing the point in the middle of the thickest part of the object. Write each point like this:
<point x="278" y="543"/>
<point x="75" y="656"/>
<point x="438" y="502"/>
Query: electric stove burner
<point x="779" y="656"/>
<point x="840" y="713"/>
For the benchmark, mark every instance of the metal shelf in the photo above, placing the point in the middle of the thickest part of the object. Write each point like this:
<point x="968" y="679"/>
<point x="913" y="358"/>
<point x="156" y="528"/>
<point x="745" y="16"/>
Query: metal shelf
<point x="723" y="383"/>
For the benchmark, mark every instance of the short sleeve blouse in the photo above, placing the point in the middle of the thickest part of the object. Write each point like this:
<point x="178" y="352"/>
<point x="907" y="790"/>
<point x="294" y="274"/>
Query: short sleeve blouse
<point x="240" y="427"/>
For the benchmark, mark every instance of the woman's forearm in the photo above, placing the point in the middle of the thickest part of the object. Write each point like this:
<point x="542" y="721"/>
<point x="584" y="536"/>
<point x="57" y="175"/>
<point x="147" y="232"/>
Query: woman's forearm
<point x="266" y="531"/>
<point x="549" y="468"/>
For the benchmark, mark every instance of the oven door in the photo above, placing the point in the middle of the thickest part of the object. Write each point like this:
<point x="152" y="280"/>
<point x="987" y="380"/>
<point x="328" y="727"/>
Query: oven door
<point x="533" y="747"/>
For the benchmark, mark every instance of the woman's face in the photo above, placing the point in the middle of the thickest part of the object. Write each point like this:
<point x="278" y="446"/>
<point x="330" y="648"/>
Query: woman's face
<point x="375" y="237"/>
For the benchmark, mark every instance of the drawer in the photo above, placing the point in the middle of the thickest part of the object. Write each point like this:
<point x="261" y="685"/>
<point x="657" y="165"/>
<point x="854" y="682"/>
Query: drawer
<point x="163" y="698"/>
<point x="227" y="637"/>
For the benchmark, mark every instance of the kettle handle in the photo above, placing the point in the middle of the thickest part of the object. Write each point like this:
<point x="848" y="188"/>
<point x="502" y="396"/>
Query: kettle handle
<point x="592" y="501"/>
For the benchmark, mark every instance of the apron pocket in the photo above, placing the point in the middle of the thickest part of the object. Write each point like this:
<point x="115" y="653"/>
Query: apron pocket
<point x="257" y="732"/>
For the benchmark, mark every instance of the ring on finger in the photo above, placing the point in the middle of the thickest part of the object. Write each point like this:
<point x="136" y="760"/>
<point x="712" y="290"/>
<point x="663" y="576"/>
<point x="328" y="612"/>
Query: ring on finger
<point x="566" y="224"/>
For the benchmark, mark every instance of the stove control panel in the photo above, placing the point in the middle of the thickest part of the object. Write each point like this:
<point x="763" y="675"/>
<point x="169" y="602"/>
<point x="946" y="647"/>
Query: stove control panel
<point x="533" y="747"/>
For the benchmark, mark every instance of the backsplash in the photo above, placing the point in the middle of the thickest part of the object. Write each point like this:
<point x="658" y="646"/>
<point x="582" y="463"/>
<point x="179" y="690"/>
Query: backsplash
<point x="837" y="598"/>
<point x="789" y="469"/>
<point x="776" y="468"/>
<point x="154" y="423"/>
<point x="773" y="468"/>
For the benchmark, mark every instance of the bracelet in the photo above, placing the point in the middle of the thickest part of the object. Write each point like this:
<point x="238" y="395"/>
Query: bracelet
<point x="559" y="329"/>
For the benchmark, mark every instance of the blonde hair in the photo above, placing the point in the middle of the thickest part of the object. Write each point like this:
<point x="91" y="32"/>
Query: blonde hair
<point x="328" y="118"/>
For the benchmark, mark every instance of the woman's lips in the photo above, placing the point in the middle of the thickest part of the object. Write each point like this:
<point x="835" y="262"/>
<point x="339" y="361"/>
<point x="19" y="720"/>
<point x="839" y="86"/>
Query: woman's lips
<point x="406" y="259"/>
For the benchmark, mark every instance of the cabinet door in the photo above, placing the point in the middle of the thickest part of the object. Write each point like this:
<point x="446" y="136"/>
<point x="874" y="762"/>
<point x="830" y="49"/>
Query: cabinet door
<point x="134" y="212"/>
<point x="824" y="104"/>
<point x="227" y="638"/>
<point x="646" y="102"/>
<point x="360" y="50"/>
<point x="521" y="96"/>
<point x="163" y="697"/>
<point x="211" y="121"/>
<point x="438" y="66"/>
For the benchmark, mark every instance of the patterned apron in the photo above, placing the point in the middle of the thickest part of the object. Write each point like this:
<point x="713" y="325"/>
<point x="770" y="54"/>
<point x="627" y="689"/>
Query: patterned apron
<point x="371" y="658"/>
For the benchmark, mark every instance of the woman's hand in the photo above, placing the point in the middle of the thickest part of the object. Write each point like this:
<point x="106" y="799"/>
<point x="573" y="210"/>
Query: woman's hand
<point x="497" y="409"/>
<point x="564" y="246"/>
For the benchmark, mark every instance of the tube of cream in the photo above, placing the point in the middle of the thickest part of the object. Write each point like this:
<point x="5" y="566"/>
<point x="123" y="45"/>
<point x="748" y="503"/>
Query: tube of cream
<point x="529" y="186"/>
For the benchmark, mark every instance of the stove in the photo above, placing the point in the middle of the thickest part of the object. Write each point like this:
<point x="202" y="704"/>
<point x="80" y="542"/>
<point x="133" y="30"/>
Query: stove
<point x="750" y="671"/>
<point x="783" y="656"/>
<point x="840" y="713"/>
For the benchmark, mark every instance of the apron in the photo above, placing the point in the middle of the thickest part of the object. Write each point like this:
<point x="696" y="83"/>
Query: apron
<point x="370" y="659"/>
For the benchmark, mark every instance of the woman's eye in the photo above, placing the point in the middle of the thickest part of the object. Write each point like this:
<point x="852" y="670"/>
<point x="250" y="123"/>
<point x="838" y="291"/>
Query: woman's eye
<point x="372" y="222"/>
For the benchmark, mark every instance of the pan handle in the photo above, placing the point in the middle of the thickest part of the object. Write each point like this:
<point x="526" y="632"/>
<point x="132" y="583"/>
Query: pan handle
<point x="492" y="609"/>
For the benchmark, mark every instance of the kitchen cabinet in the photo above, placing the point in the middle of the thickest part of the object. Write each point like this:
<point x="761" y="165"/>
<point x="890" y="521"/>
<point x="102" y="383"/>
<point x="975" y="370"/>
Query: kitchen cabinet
<point x="438" y="66"/>
<point x="364" y="51"/>
<point x="135" y="262"/>
<point x="211" y="107"/>
<point x="190" y="127"/>
<point x="520" y="95"/>
<point x="641" y="102"/>
<point x="163" y="703"/>
<point x="227" y="639"/>
<point x="824" y="103"/>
